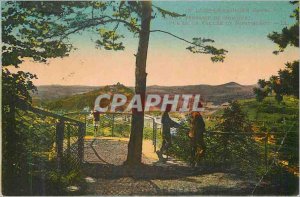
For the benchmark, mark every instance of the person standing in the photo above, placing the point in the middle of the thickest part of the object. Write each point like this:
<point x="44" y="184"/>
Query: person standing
<point x="104" y="103"/>
<point x="167" y="124"/>
<point x="96" y="115"/>
<point x="196" y="135"/>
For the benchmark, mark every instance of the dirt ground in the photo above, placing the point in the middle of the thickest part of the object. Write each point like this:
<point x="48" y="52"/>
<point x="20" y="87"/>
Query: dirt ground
<point x="112" y="150"/>
<point x="104" y="157"/>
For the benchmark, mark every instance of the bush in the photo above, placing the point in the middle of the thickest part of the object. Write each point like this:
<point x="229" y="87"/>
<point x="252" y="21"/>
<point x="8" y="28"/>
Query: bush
<point x="48" y="180"/>
<point x="148" y="133"/>
<point x="181" y="147"/>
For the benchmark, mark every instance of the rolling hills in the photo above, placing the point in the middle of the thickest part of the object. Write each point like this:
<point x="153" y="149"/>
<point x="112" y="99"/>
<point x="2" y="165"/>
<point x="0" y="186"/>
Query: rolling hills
<point x="79" y="101"/>
<point x="77" y="97"/>
<point x="214" y="93"/>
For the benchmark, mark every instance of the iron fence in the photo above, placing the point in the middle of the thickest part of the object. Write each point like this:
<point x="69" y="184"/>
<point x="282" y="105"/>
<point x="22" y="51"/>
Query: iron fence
<point x="251" y="152"/>
<point x="60" y="139"/>
<point x="54" y="143"/>
<point x="118" y="125"/>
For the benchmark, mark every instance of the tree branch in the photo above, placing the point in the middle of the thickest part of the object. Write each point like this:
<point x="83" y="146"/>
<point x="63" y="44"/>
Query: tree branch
<point x="200" y="46"/>
<point x="175" y="37"/>
<point x="94" y="22"/>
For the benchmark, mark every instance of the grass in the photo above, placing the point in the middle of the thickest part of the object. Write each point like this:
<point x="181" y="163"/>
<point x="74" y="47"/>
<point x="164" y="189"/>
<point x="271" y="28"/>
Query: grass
<point x="272" y="114"/>
<point x="268" y="113"/>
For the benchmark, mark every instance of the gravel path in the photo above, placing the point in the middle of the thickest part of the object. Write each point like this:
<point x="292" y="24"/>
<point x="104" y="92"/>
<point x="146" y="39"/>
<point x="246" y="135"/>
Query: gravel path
<point x="111" y="150"/>
<point x="104" y="158"/>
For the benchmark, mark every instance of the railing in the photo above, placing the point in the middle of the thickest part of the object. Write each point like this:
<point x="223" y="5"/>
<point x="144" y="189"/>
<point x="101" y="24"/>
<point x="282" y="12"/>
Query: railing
<point x="118" y="125"/>
<point x="64" y="136"/>
<point x="156" y="130"/>
<point x="254" y="151"/>
<point x="253" y="154"/>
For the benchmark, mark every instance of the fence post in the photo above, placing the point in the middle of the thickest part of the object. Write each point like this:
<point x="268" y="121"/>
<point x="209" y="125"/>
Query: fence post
<point x="225" y="150"/>
<point x="113" y="125"/>
<point x="68" y="140"/>
<point x="155" y="137"/>
<point x="59" y="142"/>
<point x="81" y="134"/>
<point x="154" y="133"/>
<point x="266" y="151"/>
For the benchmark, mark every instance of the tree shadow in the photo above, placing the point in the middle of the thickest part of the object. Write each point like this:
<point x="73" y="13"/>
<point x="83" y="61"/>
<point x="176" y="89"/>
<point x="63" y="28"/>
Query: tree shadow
<point x="173" y="180"/>
<point x="145" y="172"/>
<point x="208" y="190"/>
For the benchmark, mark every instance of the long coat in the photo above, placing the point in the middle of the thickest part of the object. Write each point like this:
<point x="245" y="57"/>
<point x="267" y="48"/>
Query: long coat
<point x="167" y="124"/>
<point x="197" y="130"/>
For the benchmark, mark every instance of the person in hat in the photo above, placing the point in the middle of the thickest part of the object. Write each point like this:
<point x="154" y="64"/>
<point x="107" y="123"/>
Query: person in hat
<point x="96" y="114"/>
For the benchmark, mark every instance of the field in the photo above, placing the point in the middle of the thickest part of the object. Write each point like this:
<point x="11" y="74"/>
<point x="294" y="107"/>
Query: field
<point x="268" y="113"/>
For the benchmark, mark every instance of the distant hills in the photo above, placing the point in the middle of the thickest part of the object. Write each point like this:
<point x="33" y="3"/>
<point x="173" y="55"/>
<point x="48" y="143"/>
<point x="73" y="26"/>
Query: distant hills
<point x="75" y="102"/>
<point x="214" y="93"/>
<point x="76" y="97"/>
<point x="48" y="92"/>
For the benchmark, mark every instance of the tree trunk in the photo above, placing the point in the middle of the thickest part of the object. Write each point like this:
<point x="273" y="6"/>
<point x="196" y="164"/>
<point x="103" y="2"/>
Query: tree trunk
<point x="134" y="156"/>
<point x="10" y="149"/>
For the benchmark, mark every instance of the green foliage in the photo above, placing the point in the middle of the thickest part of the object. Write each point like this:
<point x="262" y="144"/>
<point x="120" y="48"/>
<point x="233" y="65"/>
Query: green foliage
<point x="229" y="148"/>
<point x="148" y="133"/>
<point x="263" y="90"/>
<point x="116" y="125"/>
<point x="121" y="130"/>
<point x="282" y="182"/>
<point x="16" y="88"/>
<point x="44" y="27"/>
<point x="275" y="117"/>
<point x="234" y="119"/>
<point x="269" y="111"/>
<point x="22" y="32"/>
<point x="199" y="46"/>
<point x="260" y="94"/>
<point x="109" y="39"/>
<point x="239" y="148"/>
<point x="289" y="78"/>
<point x="78" y="102"/>
<point x="56" y="182"/>
<point x="15" y="93"/>
<point x="40" y="30"/>
<point x="286" y="83"/>
<point x="35" y="163"/>
<point x="181" y="146"/>
<point x="288" y="35"/>
<point x="165" y="13"/>
<point x="23" y="35"/>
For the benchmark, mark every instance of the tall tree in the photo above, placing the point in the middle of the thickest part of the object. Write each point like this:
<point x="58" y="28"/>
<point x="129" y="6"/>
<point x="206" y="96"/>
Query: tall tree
<point x="49" y="25"/>
<point x="235" y="121"/>
<point x="287" y="81"/>
<point x="136" y="135"/>
<point x="16" y="88"/>
<point x="289" y="77"/>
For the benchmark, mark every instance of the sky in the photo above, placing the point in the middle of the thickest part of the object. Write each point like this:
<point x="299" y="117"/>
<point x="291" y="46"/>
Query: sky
<point x="239" y="27"/>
